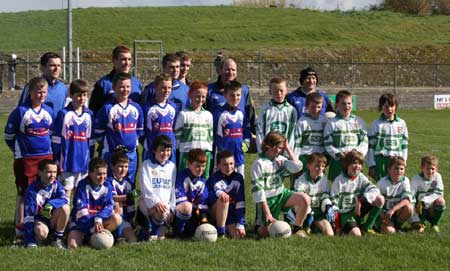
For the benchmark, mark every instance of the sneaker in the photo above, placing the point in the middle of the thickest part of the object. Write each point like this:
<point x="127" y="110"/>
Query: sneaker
<point x="418" y="227"/>
<point x="435" y="228"/>
<point x="58" y="243"/>
<point x="301" y="233"/>
<point x="152" y="238"/>
<point x="371" y="232"/>
<point x="18" y="242"/>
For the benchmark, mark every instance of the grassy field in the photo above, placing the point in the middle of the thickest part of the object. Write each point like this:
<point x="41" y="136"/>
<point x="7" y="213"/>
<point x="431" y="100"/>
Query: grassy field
<point x="429" y="132"/>
<point x="205" y="28"/>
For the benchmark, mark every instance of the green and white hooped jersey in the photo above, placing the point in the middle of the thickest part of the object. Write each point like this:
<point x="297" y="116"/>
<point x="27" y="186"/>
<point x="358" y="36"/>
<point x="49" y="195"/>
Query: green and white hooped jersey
<point x="427" y="191"/>
<point x="387" y="138"/>
<point x="318" y="190"/>
<point x="267" y="176"/>
<point x="194" y="130"/>
<point x="276" y="117"/>
<point x="345" y="191"/>
<point x="309" y="135"/>
<point x="393" y="193"/>
<point x="344" y="135"/>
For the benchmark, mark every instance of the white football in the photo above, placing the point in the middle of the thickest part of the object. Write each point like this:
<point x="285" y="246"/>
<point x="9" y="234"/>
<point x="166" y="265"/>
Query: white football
<point x="206" y="232"/>
<point x="102" y="240"/>
<point x="330" y="115"/>
<point x="280" y="229"/>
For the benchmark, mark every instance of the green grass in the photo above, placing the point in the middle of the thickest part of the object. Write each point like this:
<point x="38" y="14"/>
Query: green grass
<point x="206" y="28"/>
<point x="428" y="131"/>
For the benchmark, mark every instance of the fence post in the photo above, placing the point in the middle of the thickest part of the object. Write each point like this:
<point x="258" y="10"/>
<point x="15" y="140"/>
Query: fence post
<point x="259" y="68"/>
<point x="436" y="74"/>
<point x="78" y="62"/>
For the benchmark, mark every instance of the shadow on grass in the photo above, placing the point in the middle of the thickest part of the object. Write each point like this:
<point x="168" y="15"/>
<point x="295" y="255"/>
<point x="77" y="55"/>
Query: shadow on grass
<point x="6" y="233"/>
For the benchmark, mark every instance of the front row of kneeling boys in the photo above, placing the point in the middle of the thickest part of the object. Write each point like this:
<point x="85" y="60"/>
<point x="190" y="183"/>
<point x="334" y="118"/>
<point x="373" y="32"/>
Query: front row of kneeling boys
<point x="352" y="205"/>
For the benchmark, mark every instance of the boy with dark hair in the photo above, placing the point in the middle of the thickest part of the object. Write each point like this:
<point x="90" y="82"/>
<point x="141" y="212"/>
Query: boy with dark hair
<point x="71" y="140"/>
<point x="120" y="123"/>
<point x="103" y="88"/>
<point x="191" y="195"/>
<point x="227" y="197"/>
<point x="57" y="90"/>
<point x="46" y="207"/>
<point x="27" y="134"/>
<point x="93" y="205"/>
<point x="185" y="66"/>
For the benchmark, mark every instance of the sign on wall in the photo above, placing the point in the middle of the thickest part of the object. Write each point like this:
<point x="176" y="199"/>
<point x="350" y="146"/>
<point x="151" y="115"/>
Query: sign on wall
<point x="442" y="101"/>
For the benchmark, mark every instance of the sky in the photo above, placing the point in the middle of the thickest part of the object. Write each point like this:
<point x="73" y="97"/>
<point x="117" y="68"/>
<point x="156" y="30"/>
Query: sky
<point x="24" y="5"/>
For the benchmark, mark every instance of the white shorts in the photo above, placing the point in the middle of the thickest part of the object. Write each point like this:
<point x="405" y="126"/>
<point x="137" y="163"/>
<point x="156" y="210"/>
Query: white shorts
<point x="70" y="180"/>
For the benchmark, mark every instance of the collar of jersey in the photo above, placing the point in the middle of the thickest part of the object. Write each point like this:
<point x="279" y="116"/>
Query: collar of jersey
<point x="382" y="117"/>
<point x="402" y="179"/>
<point x="339" y="116"/>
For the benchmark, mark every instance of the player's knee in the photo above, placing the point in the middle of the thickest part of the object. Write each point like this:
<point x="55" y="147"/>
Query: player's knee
<point x="408" y="210"/>
<point x="303" y="199"/>
<point x="355" y="232"/>
<point x="389" y="230"/>
<point x="185" y="208"/>
<point x="41" y="231"/>
<point x="379" y="201"/>
<point x="439" y="201"/>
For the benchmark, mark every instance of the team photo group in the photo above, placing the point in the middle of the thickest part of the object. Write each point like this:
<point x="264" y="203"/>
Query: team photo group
<point x="80" y="171"/>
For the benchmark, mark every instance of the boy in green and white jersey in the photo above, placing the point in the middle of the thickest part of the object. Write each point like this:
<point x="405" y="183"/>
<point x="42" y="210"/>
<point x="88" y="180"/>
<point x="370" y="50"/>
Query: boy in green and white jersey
<point x="388" y="137"/>
<point x="428" y="190"/>
<point x="344" y="133"/>
<point x="194" y="126"/>
<point x="277" y="114"/>
<point x="269" y="193"/>
<point x="396" y="189"/>
<point x="355" y="196"/>
<point x="309" y="130"/>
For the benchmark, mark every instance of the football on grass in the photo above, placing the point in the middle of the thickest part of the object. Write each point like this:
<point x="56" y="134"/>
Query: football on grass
<point x="102" y="240"/>
<point x="206" y="232"/>
<point x="280" y="229"/>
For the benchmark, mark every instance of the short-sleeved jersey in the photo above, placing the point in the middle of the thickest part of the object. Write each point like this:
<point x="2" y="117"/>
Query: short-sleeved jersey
<point x="36" y="197"/>
<point x="189" y="188"/>
<point x="28" y="132"/>
<point x="159" y="120"/>
<point x="318" y="190"/>
<point x="123" y="187"/>
<point x="71" y="139"/>
<point x="344" y="135"/>
<point x="309" y="135"/>
<point x="56" y="95"/>
<point x="346" y="190"/>
<point x="194" y="130"/>
<point x="387" y="138"/>
<point x="276" y="117"/>
<point x="267" y="176"/>
<point x="157" y="182"/>
<point x="233" y="185"/>
<point x="91" y="203"/>
<point x="118" y="125"/>
<point x="298" y="99"/>
<point x="232" y="129"/>
<point x="392" y="192"/>
<point x="426" y="190"/>
<point x="178" y="96"/>
<point x="103" y="91"/>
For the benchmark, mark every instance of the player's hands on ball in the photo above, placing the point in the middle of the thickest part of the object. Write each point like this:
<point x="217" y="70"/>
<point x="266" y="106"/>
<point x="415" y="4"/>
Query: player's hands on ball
<point x="240" y="232"/>
<point x="270" y="218"/>
<point x="224" y="197"/>
<point x="98" y="227"/>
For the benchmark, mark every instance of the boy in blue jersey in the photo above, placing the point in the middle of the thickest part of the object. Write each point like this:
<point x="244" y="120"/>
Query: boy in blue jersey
<point x="179" y="95"/>
<point x="57" y="90"/>
<point x="232" y="128"/>
<point x="103" y="88"/>
<point x="123" y="194"/>
<point x="157" y="180"/>
<point x="93" y="206"/>
<point x="159" y="116"/>
<point x="46" y="207"/>
<point x="27" y="134"/>
<point x="71" y="139"/>
<point x="227" y="197"/>
<point x="191" y="195"/>
<point x="309" y="79"/>
<point x="120" y="123"/>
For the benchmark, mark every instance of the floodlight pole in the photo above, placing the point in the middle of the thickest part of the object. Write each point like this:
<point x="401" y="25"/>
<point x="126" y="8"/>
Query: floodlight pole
<point x="69" y="36"/>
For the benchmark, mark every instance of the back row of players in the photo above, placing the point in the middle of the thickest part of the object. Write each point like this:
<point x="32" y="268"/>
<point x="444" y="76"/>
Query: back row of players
<point x="173" y="118"/>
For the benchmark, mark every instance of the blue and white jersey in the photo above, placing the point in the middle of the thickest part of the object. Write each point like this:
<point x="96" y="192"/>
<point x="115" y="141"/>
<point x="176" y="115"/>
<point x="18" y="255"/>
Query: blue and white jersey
<point x="56" y="96"/>
<point x="233" y="185"/>
<point x="28" y="132"/>
<point x="189" y="188"/>
<point x="159" y="120"/>
<point x="36" y="197"/>
<point x="157" y="183"/>
<point x="91" y="204"/>
<point x="123" y="187"/>
<point x="179" y="95"/>
<point x="71" y="140"/>
<point x="298" y="99"/>
<point x="117" y="125"/>
<point x="232" y="129"/>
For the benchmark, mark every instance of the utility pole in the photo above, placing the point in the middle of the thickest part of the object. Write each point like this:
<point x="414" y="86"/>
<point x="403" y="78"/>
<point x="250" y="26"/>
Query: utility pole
<point x="69" y="37"/>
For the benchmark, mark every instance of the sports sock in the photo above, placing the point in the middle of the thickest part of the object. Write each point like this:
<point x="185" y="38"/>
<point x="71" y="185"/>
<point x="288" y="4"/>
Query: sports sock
<point x="57" y="235"/>
<point x="371" y="218"/>
<point x="438" y="213"/>
<point x="180" y="221"/>
<point x="221" y="230"/>
<point x="156" y="226"/>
